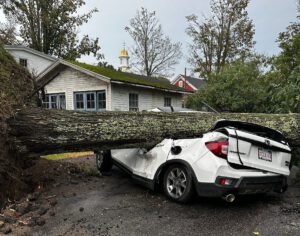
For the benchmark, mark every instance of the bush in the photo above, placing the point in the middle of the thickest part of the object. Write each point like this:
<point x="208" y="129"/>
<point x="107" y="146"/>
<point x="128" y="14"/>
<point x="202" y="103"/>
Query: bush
<point x="239" y="87"/>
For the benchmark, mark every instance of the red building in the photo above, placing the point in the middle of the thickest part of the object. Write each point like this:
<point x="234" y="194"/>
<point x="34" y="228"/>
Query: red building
<point x="189" y="83"/>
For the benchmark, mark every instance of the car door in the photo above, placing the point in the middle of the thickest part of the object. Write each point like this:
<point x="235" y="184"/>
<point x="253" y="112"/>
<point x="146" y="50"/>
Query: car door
<point x="125" y="157"/>
<point x="148" y="162"/>
<point x="258" y="152"/>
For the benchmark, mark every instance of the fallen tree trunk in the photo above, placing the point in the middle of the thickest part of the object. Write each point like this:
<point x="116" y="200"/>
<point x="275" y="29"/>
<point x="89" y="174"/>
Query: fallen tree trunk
<point x="40" y="131"/>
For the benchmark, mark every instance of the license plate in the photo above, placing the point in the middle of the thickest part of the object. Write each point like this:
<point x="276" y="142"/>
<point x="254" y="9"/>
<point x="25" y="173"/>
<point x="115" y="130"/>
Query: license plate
<point x="264" y="154"/>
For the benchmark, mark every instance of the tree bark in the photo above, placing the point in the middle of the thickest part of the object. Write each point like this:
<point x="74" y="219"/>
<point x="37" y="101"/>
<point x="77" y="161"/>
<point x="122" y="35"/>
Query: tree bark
<point x="40" y="131"/>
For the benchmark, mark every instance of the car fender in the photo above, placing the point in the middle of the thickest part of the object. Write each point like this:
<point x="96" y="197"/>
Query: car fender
<point x="159" y="173"/>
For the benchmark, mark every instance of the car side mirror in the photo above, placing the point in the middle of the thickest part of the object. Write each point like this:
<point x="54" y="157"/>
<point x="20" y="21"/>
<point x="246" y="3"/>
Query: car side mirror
<point x="176" y="150"/>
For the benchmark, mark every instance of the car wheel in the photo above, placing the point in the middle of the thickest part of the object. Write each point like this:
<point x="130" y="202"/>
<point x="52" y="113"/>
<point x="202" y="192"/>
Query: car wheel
<point x="104" y="161"/>
<point x="178" y="183"/>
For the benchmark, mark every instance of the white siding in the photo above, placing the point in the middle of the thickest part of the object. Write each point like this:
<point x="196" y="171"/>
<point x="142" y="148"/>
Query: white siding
<point x="35" y="64"/>
<point x="70" y="81"/>
<point x="148" y="98"/>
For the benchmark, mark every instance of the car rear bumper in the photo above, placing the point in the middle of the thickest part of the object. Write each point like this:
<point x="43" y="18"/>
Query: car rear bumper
<point x="244" y="185"/>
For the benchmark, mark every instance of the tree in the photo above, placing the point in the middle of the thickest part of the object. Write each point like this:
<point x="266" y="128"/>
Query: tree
<point x="238" y="87"/>
<point x="223" y="38"/>
<point x="51" y="26"/>
<point x="284" y="76"/>
<point x="8" y="32"/>
<point x="153" y="52"/>
<point x="30" y="130"/>
<point x="105" y="64"/>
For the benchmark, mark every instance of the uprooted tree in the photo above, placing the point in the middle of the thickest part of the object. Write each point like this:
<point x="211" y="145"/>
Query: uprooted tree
<point x="28" y="131"/>
<point x="39" y="131"/>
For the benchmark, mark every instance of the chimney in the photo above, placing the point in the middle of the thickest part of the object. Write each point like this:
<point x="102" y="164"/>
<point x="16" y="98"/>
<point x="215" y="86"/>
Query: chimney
<point x="185" y="78"/>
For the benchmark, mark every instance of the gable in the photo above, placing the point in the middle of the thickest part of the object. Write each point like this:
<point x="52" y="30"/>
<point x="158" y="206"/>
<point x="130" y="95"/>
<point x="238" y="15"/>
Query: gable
<point x="35" y="63"/>
<point x="74" y="80"/>
<point x="185" y="83"/>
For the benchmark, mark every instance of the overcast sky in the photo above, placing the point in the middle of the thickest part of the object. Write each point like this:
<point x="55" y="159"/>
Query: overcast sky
<point x="270" y="17"/>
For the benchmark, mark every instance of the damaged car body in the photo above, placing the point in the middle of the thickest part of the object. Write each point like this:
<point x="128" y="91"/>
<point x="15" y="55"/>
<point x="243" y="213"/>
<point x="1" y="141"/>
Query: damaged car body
<point x="232" y="158"/>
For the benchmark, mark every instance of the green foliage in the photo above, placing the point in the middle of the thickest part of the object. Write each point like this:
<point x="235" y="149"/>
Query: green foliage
<point x="245" y="86"/>
<point x="221" y="39"/>
<point x="153" y="53"/>
<point x="90" y="171"/>
<point x="127" y="77"/>
<point x="236" y="88"/>
<point x="16" y="85"/>
<point x="8" y="33"/>
<point x="105" y="64"/>
<point x="284" y="76"/>
<point x="52" y="26"/>
<point x="163" y="79"/>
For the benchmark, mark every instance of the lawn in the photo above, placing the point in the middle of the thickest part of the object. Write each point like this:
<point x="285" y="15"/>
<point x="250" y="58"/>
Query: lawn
<point x="61" y="156"/>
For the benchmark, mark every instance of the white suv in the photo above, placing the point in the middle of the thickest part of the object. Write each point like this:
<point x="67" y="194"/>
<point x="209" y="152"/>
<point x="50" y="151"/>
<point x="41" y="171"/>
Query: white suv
<point x="232" y="158"/>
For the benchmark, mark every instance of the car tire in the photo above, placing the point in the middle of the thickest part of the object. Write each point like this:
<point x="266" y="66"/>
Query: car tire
<point x="178" y="183"/>
<point x="104" y="161"/>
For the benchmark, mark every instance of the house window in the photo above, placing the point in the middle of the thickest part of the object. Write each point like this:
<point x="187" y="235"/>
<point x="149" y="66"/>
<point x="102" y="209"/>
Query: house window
<point x="101" y="97"/>
<point x="46" y="103"/>
<point x="23" y="62"/>
<point x="168" y="102"/>
<point x="79" y="101"/>
<point x="92" y="100"/>
<point x="133" y="102"/>
<point x="180" y="83"/>
<point x="55" y="101"/>
<point x="62" y="102"/>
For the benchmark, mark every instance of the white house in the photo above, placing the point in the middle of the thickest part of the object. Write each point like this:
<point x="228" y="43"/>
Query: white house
<point x="35" y="61"/>
<point x="78" y="86"/>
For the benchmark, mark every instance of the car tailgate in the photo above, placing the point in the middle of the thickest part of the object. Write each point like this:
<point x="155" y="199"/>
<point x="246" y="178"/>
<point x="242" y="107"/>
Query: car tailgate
<point x="258" y="152"/>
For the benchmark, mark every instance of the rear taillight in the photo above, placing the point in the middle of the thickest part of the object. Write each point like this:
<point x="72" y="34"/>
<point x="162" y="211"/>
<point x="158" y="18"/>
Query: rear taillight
<point x="219" y="148"/>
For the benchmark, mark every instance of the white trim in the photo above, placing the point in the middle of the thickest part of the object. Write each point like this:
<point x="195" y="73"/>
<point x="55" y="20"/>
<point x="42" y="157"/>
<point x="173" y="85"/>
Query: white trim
<point x="48" y="69"/>
<point x="190" y="84"/>
<point x="75" y="67"/>
<point x="176" y="79"/>
<point x="29" y="50"/>
<point x="86" y="71"/>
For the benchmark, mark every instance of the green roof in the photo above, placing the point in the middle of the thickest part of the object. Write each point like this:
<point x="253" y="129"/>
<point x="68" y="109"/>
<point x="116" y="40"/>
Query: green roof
<point x="129" y="77"/>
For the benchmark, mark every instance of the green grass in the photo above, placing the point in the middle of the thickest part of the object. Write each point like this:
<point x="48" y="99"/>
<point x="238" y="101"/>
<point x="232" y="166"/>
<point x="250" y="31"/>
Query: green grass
<point x="61" y="156"/>
<point x="126" y="77"/>
<point x="90" y="171"/>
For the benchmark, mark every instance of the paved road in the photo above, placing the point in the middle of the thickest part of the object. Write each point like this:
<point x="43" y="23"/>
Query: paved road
<point x="114" y="205"/>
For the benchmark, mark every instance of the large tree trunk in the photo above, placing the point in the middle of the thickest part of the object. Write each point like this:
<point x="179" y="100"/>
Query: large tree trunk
<point x="40" y="131"/>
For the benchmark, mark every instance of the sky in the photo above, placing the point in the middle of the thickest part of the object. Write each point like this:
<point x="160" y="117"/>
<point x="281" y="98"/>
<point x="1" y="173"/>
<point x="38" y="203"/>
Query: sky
<point x="269" y="16"/>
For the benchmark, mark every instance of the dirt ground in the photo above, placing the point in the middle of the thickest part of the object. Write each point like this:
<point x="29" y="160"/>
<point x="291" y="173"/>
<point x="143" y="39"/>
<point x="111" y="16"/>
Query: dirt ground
<point x="75" y="201"/>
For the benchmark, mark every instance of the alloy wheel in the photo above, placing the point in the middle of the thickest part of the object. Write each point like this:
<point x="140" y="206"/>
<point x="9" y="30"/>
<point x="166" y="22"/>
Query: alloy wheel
<point x="176" y="182"/>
